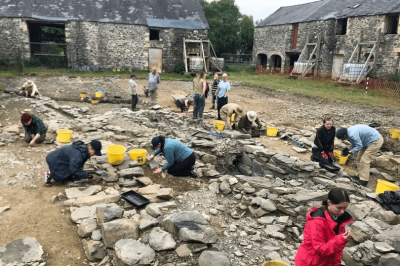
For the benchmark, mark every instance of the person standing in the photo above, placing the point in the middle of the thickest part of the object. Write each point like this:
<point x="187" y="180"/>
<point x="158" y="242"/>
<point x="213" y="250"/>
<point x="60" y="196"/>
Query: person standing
<point x="228" y="110"/>
<point x="222" y="93"/>
<point x="322" y="148"/>
<point x="365" y="142"/>
<point x="213" y="90"/>
<point x="66" y="163"/>
<point x="133" y="91"/>
<point x="180" y="158"/>
<point x="153" y="79"/>
<point x="199" y="88"/>
<point x="246" y="126"/>
<point x="35" y="127"/>
<point x="325" y="235"/>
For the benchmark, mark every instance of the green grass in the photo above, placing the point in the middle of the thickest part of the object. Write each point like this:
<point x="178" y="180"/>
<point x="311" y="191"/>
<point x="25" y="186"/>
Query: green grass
<point x="2" y="87"/>
<point x="315" y="87"/>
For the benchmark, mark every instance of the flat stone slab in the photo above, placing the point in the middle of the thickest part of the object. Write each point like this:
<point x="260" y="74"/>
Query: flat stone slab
<point x="25" y="251"/>
<point x="91" y="200"/>
<point x="87" y="212"/>
<point x="78" y="192"/>
<point x="131" y="252"/>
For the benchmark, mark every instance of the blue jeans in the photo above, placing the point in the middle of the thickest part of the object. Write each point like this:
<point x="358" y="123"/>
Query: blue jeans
<point x="134" y="101"/>
<point x="199" y="104"/>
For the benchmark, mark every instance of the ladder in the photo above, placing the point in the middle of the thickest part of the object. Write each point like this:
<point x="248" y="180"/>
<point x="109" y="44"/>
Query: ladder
<point x="202" y="45"/>
<point x="311" y="62"/>
<point x="355" y="56"/>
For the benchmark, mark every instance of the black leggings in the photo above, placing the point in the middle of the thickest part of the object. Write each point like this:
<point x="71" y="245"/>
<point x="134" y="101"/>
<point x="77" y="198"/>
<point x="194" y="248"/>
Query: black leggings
<point x="183" y="168"/>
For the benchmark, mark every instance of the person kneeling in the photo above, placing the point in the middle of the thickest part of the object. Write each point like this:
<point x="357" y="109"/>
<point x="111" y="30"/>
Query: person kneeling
<point x="246" y="125"/>
<point x="180" y="158"/>
<point x="66" y="163"/>
<point x="322" y="148"/>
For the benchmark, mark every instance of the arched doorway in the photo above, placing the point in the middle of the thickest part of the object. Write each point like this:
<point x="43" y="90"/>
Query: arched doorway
<point x="262" y="59"/>
<point x="276" y="61"/>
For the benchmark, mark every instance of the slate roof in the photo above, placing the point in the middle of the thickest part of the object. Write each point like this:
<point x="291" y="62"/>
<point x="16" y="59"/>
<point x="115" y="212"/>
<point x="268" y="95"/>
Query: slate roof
<point x="112" y="11"/>
<point x="330" y="9"/>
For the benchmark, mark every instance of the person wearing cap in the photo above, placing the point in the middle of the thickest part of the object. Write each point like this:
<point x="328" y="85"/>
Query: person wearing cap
<point x="66" y="163"/>
<point x="228" y="110"/>
<point x="184" y="103"/>
<point x="133" y="91"/>
<point x="35" y="130"/>
<point x="246" y="126"/>
<point x="180" y="158"/>
<point x="222" y="93"/>
<point x="153" y="79"/>
<point x="29" y="87"/>
<point x="365" y="142"/>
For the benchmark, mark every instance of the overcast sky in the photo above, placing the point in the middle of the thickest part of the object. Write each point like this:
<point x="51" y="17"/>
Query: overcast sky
<point x="260" y="9"/>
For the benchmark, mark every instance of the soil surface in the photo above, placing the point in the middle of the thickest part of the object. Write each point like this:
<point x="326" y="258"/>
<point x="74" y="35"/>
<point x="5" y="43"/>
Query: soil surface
<point x="21" y="183"/>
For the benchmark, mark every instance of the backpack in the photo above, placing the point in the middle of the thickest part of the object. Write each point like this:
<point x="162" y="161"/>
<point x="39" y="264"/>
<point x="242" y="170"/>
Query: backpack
<point x="390" y="200"/>
<point x="207" y="90"/>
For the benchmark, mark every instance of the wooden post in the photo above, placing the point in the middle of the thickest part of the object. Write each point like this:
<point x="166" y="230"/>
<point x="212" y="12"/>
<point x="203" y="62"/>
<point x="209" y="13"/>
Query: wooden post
<point x="184" y="55"/>
<point x="358" y="48"/>
<point x="317" y="57"/>
<point x="378" y="43"/>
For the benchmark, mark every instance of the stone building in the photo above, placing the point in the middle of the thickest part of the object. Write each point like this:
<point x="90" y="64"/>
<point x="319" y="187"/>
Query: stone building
<point x="104" y="34"/>
<point x="280" y="38"/>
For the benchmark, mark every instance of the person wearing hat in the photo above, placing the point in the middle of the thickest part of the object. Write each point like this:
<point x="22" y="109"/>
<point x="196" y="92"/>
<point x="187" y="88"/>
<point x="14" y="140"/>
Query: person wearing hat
<point x="180" y="158"/>
<point x="29" y="87"/>
<point x="184" y="103"/>
<point x="228" y="110"/>
<point x="246" y="126"/>
<point x="365" y="142"/>
<point x="66" y="163"/>
<point x="35" y="130"/>
<point x="153" y="79"/>
<point x="133" y="91"/>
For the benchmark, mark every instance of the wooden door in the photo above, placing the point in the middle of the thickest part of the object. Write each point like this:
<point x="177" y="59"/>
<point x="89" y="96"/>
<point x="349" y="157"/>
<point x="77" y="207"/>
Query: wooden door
<point x="155" y="59"/>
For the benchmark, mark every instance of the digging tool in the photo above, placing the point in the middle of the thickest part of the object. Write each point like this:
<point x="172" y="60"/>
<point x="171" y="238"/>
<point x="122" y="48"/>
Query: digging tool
<point x="301" y="145"/>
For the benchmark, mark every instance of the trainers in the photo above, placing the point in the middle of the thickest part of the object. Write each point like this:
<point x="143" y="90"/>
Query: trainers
<point x="47" y="179"/>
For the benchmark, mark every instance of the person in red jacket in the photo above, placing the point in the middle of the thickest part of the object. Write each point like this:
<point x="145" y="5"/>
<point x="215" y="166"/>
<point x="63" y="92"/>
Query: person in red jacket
<point x="325" y="235"/>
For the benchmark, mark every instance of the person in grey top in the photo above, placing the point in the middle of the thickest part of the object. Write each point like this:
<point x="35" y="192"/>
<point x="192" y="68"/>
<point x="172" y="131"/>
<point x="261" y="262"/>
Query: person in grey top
<point x="133" y="91"/>
<point x="154" y="79"/>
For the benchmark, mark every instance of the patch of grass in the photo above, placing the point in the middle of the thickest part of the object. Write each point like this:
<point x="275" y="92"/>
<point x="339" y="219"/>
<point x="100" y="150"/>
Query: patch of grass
<point x="318" y="87"/>
<point x="190" y="247"/>
<point x="2" y="87"/>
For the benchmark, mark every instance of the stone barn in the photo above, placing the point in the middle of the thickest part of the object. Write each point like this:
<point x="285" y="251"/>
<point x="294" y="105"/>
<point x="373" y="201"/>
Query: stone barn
<point x="102" y="34"/>
<point x="337" y="31"/>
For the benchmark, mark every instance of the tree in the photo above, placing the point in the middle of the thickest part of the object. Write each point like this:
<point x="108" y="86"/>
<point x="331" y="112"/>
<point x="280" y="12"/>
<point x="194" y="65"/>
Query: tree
<point x="246" y="35"/>
<point x="224" y="20"/>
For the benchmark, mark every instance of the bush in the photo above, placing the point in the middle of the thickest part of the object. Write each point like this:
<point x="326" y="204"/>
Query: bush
<point x="4" y="61"/>
<point x="179" y="68"/>
<point x="31" y="62"/>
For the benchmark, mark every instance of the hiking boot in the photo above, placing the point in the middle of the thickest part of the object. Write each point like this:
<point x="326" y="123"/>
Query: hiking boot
<point x="47" y="179"/>
<point x="361" y="182"/>
<point x="354" y="177"/>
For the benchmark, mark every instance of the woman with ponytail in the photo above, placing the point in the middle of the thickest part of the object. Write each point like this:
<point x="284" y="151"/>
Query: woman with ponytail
<point x="180" y="158"/>
<point x="325" y="235"/>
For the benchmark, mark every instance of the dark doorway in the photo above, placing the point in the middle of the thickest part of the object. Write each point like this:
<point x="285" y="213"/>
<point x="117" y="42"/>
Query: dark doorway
<point x="47" y="42"/>
<point x="341" y="26"/>
<point x="154" y="35"/>
<point x="293" y="58"/>
<point x="276" y="61"/>
<point x="262" y="59"/>
<point x="392" y="24"/>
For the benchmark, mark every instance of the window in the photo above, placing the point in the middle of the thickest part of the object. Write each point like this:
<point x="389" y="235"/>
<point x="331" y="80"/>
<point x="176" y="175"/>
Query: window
<point x="295" y="35"/>
<point x="154" y="35"/>
<point x="392" y="24"/>
<point x="341" y="26"/>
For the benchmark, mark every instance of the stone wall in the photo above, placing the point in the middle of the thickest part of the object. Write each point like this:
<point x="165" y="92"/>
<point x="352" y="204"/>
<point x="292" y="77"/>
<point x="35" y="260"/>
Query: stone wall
<point x="277" y="40"/>
<point x="14" y="36"/>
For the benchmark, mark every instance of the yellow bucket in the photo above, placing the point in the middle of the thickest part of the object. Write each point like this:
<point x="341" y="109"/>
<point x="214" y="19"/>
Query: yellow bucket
<point x="98" y="94"/>
<point x="95" y="101"/>
<point x="219" y="125"/>
<point x="275" y="263"/>
<point x="115" y="154"/>
<point x="83" y="94"/>
<point x="138" y="155"/>
<point x="383" y="186"/>
<point x="394" y="133"/>
<point x="342" y="159"/>
<point x="64" y="135"/>
<point x="272" y="131"/>
<point x="233" y="118"/>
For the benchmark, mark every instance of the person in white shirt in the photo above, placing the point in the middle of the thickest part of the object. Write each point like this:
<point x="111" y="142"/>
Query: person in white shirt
<point x="133" y="91"/>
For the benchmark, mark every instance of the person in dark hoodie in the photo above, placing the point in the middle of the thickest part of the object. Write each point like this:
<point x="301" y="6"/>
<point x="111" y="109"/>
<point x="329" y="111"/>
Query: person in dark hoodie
<point x="66" y="163"/>
<point x="322" y="148"/>
<point x="325" y="235"/>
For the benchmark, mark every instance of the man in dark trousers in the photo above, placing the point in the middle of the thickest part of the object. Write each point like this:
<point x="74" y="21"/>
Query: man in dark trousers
<point x="66" y="163"/>
<point x="33" y="126"/>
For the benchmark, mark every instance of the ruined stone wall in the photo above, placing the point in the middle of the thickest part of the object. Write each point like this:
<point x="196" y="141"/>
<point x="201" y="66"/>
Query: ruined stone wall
<point x="107" y="45"/>
<point x="172" y="40"/>
<point x="388" y="59"/>
<point x="14" y="37"/>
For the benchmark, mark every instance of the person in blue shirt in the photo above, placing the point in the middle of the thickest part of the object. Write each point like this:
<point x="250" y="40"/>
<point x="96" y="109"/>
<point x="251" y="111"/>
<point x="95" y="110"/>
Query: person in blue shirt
<point x="365" y="142"/>
<point x="222" y="93"/>
<point x="180" y="158"/>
